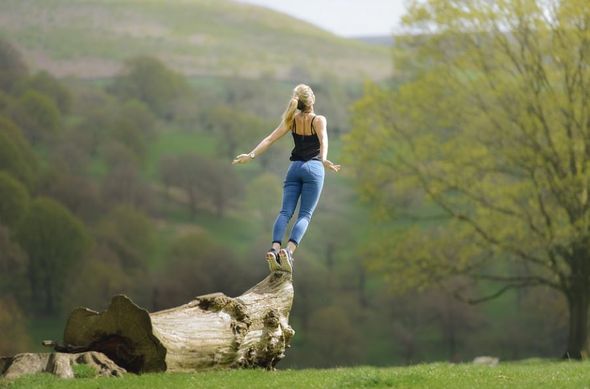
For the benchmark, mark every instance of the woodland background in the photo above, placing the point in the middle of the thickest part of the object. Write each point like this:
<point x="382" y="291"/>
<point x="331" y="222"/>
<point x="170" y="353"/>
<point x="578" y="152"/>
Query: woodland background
<point x="118" y="124"/>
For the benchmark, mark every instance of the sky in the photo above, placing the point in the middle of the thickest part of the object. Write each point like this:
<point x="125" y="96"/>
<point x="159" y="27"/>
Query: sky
<point x="343" y="17"/>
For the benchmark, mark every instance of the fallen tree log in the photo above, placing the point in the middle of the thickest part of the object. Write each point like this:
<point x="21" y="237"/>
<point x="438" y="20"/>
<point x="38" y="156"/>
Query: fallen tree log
<point x="212" y="331"/>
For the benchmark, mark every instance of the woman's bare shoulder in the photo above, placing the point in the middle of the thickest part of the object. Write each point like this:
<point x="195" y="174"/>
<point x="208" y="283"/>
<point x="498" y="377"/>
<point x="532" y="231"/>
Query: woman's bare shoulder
<point x="321" y="119"/>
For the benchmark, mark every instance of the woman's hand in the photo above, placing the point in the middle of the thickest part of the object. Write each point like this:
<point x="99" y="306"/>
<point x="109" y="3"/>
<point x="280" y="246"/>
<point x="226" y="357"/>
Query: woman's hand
<point x="329" y="165"/>
<point x="242" y="158"/>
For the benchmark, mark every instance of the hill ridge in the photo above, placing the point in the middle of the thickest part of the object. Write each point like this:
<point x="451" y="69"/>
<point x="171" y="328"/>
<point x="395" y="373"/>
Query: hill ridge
<point x="81" y="38"/>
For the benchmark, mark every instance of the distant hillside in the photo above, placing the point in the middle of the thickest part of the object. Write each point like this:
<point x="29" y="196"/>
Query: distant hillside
<point x="90" y="39"/>
<point x="384" y="40"/>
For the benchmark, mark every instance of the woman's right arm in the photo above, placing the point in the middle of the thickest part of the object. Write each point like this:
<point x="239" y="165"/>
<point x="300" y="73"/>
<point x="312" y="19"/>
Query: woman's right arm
<point x="271" y="138"/>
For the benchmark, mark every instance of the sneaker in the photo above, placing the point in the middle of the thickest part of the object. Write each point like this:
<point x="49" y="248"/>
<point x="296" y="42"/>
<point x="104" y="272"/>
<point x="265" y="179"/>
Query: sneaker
<point x="286" y="260"/>
<point x="272" y="258"/>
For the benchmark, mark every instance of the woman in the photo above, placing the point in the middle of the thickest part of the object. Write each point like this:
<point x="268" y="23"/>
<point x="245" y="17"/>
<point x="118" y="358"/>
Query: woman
<point x="305" y="176"/>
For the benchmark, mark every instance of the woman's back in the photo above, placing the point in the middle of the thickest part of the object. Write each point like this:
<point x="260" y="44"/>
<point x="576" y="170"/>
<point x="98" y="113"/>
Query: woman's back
<point x="303" y="123"/>
<point x="307" y="143"/>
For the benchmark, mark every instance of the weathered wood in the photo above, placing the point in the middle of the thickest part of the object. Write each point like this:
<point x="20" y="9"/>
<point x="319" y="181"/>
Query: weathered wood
<point x="212" y="331"/>
<point x="60" y="364"/>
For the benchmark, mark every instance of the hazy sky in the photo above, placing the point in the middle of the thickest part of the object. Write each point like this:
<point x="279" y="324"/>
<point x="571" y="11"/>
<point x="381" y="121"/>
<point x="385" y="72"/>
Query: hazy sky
<point x="343" y="17"/>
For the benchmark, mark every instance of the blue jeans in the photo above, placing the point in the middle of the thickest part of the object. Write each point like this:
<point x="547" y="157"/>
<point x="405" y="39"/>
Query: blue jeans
<point x="305" y="180"/>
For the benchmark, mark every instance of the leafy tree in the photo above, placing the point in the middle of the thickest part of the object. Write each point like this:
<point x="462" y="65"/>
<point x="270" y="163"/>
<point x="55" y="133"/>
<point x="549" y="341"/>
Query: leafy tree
<point x="236" y="129"/>
<point x="129" y="234"/>
<point x="333" y="337"/>
<point x="14" y="200"/>
<point x="96" y="111"/>
<point x="485" y="140"/>
<point x="78" y="193"/>
<point x="100" y="277"/>
<point x="182" y="171"/>
<point x="147" y="79"/>
<point x="123" y="183"/>
<point x="48" y="85"/>
<point x="13" y="326"/>
<point x="37" y="115"/>
<point x="196" y="265"/>
<point x="206" y="183"/>
<point x="6" y="102"/>
<point x="54" y="240"/>
<point x="16" y="154"/>
<point x="13" y="269"/>
<point x="220" y="185"/>
<point x="12" y="65"/>
<point x="133" y="126"/>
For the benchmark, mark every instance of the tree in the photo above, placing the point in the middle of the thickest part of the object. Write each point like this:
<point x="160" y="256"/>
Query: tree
<point x="204" y="182"/>
<point x="130" y="234"/>
<point x="123" y="183"/>
<point x="77" y="192"/>
<point x="48" y="85"/>
<point x="101" y="276"/>
<point x="13" y="326"/>
<point x="14" y="200"/>
<point x="37" y="115"/>
<point x="484" y="139"/>
<point x="54" y="239"/>
<point x="13" y="269"/>
<point x="236" y="129"/>
<point x="12" y="66"/>
<point x="16" y="155"/>
<point x="220" y="185"/>
<point x="195" y="266"/>
<point x="147" y="79"/>
<point x="133" y="126"/>
<point x="334" y="344"/>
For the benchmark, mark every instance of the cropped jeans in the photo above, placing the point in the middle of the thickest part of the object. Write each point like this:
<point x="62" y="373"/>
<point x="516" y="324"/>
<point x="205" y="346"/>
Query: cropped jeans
<point x="304" y="180"/>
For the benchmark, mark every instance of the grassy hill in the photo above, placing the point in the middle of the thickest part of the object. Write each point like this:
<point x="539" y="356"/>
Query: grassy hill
<point x="90" y="39"/>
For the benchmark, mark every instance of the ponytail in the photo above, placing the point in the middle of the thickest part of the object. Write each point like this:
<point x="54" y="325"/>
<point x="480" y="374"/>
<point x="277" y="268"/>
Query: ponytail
<point x="302" y="99"/>
<point x="289" y="113"/>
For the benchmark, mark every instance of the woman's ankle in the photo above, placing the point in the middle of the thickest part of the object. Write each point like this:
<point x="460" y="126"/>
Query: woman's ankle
<point x="291" y="246"/>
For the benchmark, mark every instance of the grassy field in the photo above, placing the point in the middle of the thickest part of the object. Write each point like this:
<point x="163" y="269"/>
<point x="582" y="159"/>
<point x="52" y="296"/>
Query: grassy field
<point x="90" y="39"/>
<point x="523" y="374"/>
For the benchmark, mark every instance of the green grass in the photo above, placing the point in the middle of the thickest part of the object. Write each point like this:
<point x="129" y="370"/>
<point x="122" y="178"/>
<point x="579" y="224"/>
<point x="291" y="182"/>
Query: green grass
<point x="176" y="143"/>
<point x="524" y="374"/>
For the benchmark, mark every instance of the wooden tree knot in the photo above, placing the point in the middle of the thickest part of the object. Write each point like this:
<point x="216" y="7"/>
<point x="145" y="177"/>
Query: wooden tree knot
<point x="278" y="278"/>
<point x="288" y="333"/>
<point x="239" y="328"/>
<point x="237" y="310"/>
<point x="213" y="302"/>
<point x="272" y="319"/>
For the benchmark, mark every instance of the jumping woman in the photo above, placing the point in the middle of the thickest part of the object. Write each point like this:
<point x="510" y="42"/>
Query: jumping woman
<point x="305" y="176"/>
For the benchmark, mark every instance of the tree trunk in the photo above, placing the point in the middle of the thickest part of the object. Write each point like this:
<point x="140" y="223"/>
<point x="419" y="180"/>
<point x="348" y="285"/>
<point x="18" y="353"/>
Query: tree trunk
<point x="212" y="331"/>
<point x="578" y="325"/>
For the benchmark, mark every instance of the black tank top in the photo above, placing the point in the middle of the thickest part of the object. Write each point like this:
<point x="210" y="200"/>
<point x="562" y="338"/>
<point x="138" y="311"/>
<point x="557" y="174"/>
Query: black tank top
<point x="307" y="147"/>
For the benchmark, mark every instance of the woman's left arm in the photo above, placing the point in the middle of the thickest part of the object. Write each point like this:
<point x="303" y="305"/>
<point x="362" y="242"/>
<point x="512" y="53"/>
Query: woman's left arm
<point x="322" y="131"/>
<point x="262" y="146"/>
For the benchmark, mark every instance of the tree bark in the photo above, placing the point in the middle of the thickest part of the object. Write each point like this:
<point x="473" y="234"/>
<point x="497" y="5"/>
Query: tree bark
<point x="212" y="331"/>
<point x="578" y="325"/>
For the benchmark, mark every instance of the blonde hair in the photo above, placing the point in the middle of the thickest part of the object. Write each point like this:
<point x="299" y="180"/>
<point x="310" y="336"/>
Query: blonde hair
<point x="302" y="99"/>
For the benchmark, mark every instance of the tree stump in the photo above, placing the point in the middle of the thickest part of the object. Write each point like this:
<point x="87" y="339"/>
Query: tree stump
<point x="212" y="331"/>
